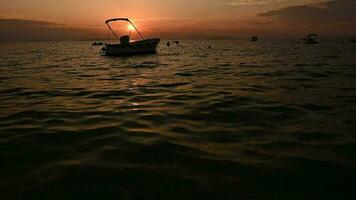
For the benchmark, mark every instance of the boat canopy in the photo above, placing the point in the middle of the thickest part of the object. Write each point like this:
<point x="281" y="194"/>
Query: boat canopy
<point x="121" y="19"/>
<point x="116" y="19"/>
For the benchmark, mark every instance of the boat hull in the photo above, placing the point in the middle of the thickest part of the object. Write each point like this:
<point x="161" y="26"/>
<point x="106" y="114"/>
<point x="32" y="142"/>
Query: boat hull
<point x="148" y="46"/>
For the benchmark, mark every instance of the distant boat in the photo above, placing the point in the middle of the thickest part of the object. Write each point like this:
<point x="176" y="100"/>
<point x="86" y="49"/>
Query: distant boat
<point x="311" y="39"/>
<point x="144" y="46"/>
<point x="97" y="44"/>
<point x="353" y="40"/>
<point x="254" y="39"/>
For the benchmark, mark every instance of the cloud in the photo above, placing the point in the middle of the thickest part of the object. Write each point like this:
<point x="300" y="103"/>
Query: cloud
<point x="28" y="30"/>
<point x="337" y="10"/>
<point x="251" y="2"/>
<point x="335" y="18"/>
<point x="246" y="2"/>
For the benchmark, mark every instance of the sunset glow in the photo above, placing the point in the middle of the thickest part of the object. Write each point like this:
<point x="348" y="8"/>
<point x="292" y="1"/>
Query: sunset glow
<point x="130" y="27"/>
<point x="191" y="19"/>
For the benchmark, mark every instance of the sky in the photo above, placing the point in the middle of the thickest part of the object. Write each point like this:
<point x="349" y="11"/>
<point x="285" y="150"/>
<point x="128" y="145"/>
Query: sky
<point x="83" y="19"/>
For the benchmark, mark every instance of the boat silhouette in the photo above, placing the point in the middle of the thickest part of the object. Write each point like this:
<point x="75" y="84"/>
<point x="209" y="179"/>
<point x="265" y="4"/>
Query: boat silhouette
<point x="125" y="47"/>
<point x="254" y="39"/>
<point x="97" y="44"/>
<point x="311" y="39"/>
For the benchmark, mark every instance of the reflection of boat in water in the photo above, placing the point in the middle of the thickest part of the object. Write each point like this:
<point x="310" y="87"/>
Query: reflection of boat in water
<point x="254" y="39"/>
<point x="311" y="39"/>
<point x="144" y="46"/>
<point x="97" y="44"/>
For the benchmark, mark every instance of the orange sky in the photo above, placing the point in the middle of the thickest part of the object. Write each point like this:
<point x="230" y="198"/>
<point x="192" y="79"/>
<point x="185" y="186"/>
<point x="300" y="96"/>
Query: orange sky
<point x="91" y="12"/>
<point x="185" y="18"/>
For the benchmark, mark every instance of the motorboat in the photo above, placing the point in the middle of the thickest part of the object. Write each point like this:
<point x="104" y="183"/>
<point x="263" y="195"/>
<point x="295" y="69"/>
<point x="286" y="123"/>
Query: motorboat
<point x="352" y="40"/>
<point x="97" y="44"/>
<point x="311" y="39"/>
<point x="126" y="47"/>
<point x="254" y="39"/>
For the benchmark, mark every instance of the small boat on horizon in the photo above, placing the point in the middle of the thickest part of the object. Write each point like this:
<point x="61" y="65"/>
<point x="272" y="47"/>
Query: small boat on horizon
<point x="353" y="40"/>
<point x="125" y="47"/>
<point x="97" y="44"/>
<point x="311" y="39"/>
<point x="254" y="39"/>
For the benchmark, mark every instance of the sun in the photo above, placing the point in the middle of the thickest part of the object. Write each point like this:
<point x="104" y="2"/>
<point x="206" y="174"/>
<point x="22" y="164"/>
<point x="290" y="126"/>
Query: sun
<point x="130" y="27"/>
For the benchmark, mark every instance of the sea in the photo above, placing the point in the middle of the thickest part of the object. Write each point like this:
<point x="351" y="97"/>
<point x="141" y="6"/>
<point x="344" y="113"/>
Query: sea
<point x="273" y="119"/>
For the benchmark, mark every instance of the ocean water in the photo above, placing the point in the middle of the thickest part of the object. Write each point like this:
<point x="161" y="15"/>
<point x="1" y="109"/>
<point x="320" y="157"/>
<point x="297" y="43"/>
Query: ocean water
<point x="265" y="120"/>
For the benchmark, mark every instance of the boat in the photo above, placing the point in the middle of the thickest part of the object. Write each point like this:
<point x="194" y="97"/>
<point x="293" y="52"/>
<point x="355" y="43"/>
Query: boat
<point x="97" y="44"/>
<point x="352" y="40"/>
<point x="254" y="39"/>
<point x="311" y="39"/>
<point x="126" y="47"/>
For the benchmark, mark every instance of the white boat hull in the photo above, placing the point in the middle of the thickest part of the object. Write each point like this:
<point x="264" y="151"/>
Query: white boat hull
<point x="148" y="46"/>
